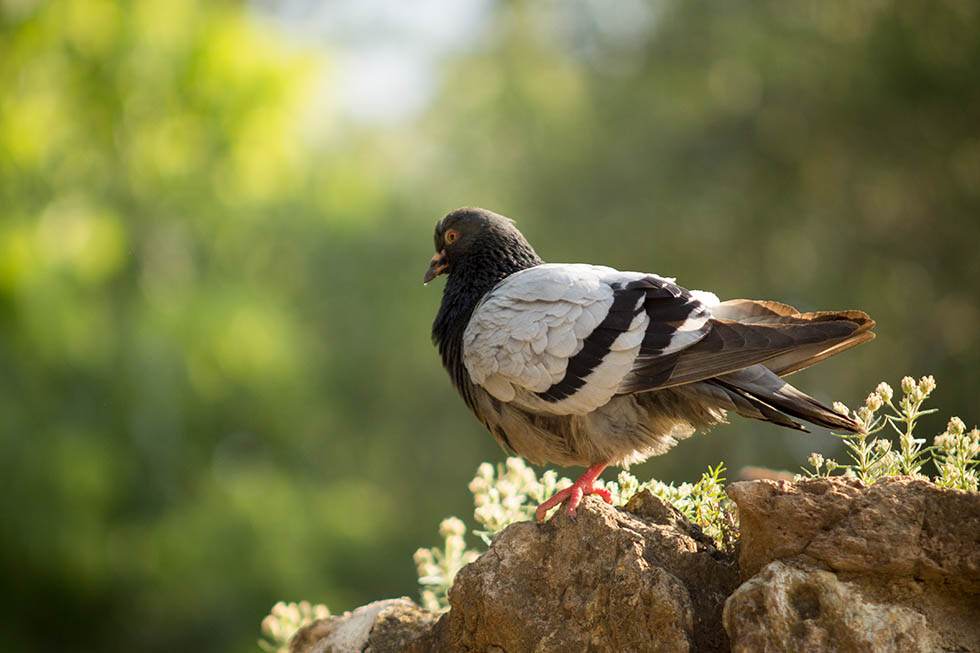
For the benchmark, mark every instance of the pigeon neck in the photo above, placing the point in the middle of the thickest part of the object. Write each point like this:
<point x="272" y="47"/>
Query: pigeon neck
<point x="467" y="284"/>
<point x="475" y="276"/>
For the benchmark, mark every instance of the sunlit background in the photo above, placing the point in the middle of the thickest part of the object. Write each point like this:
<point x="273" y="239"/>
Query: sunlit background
<point x="217" y="388"/>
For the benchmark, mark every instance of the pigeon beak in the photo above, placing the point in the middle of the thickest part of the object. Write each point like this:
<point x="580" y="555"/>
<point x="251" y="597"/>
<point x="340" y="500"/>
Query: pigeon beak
<point x="437" y="266"/>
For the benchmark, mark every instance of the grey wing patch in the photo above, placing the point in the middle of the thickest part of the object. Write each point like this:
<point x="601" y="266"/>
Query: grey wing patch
<point x="520" y="338"/>
<point x="569" y="352"/>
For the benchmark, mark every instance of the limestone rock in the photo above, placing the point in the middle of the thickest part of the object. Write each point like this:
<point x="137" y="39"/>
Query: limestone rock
<point x="379" y="627"/>
<point x="785" y="608"/>
<point x="828" y="565"/>
<point x="905" y="552"/>
<point x="777" y="519"/>
<point x="639" y="579"/>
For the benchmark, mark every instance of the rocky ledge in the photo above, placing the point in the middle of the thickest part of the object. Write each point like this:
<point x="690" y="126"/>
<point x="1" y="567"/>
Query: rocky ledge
<point x="822" y="565"/>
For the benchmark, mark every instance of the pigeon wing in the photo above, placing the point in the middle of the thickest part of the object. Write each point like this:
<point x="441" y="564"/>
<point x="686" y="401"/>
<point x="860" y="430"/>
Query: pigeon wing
<point x="562" y="339"/>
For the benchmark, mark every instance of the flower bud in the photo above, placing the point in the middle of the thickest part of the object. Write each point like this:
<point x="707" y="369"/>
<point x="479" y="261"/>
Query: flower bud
<point x="908" y="385"/>
<point x="926" y="385"/>
<point x="956" y="426"/>
<point x="422" y="556"/>
<point x="873" y="402"/>
<point x="506" y="488"/>
<point x="944" y="441"/>
<point x="452" y="526"/>
<point x="271" y="627"/>
<point x="884" y="391"/>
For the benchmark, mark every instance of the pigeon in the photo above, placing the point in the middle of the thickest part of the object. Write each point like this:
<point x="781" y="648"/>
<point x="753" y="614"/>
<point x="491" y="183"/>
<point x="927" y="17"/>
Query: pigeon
<point x="585" y="365"/>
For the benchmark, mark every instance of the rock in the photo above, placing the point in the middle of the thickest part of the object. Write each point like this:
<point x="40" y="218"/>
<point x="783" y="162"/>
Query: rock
<point x="903" y="554"/>
<point x="785" y="608"/>
<point x="639" y="579"/>
<point x="828" y="565"/>
<point x="379" y="627"/>
<point x="777" y="519"/>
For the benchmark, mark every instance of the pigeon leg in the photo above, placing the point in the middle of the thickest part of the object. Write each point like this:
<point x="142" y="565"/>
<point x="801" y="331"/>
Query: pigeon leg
<point x="581" y="487"/>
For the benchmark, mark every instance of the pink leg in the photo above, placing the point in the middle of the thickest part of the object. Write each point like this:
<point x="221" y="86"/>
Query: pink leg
<point x="574" y="494"/>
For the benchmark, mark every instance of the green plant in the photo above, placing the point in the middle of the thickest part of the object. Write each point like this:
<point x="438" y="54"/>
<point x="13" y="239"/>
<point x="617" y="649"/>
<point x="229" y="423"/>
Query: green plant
<point x="954" y="452"/>
<point x="705" y="504"/>
<point x="438" y="567"/>
<point x="284" y="620"/>
<point x="509" y="493"/>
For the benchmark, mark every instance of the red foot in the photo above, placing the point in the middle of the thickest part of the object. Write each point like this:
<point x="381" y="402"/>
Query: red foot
<point x="574" y="494"/>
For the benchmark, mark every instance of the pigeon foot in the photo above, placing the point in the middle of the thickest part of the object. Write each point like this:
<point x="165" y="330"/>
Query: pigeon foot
<point x="583" y="486"/>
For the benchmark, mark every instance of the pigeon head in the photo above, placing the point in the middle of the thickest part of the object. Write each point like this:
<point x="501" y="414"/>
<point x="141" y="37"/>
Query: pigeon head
<point x="479" y="244"/>
<point x="475" y="249"/>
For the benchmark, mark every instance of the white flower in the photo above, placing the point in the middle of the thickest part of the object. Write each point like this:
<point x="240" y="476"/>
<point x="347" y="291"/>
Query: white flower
<point x="515" y="465"/>
<point x="908" y="385"/>
<point x="873" y="402"/>
<point x="956" y="426"/>
<point x="884" y="391"/>
<point x="452" y="526"/>
<point x="926" y="385"/>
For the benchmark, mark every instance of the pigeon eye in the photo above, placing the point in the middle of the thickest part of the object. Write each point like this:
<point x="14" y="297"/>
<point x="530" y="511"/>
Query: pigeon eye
<point x="451" y="236"/>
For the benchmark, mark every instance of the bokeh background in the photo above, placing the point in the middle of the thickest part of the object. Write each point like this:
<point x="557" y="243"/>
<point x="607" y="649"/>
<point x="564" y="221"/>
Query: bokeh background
<point x="217" y="388"/>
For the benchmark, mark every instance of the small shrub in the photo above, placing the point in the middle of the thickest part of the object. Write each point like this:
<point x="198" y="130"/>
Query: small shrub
<point x="954" y="451"/>
<point x="438" y="567"/>
<point x="283" y="622"/>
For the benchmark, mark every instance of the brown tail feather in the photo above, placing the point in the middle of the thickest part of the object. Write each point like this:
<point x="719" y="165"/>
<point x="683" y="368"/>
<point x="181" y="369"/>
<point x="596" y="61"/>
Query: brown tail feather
<point x="804" y="357"/>
<point x="748" y="311"/>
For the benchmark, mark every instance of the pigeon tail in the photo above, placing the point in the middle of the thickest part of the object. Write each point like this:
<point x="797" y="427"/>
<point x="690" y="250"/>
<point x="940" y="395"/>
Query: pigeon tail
<point x="760" y="394"/>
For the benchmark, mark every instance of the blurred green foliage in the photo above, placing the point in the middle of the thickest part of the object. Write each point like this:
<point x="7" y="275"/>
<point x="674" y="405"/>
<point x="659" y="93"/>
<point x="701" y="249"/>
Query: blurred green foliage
<point x="216" y="383"/>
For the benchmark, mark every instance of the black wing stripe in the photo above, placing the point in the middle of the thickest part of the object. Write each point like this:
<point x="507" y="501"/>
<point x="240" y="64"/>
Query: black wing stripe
<point x="666" y="317"/>
<point x="596" y="345"/>
<point x="668" y="307"/>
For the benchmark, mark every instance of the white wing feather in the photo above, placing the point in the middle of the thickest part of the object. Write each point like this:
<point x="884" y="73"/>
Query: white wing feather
<point x="520" y="338"/>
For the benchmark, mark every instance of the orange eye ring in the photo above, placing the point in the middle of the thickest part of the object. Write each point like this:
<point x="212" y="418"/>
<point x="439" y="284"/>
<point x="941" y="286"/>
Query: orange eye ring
<point x="451" y="236"/>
